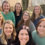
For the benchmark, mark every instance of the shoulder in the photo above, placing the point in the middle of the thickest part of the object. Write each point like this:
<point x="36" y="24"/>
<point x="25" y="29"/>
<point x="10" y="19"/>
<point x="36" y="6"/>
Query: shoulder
<point x="11" y="12"/>
<point x="34" y="33"/>
<point x="31" y="23"/>
<point x="42" y="16"/>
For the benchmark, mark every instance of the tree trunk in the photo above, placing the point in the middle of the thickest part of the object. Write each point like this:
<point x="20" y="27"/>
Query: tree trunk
<point x="25" y="4"/>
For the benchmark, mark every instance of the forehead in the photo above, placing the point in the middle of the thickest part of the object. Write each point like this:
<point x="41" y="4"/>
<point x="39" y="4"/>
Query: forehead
<point x="37" y="7"/>
<point x="18" y="4"/>
<point x="26" y="13"/>
<point x="6" y="3"/>
<point x="23" y="31"/>
<point x="8" y="24"/>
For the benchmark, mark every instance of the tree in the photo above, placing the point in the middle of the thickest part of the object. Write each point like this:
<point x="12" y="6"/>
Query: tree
<point x="25" y="4"/>
<point x="43" y="7"/>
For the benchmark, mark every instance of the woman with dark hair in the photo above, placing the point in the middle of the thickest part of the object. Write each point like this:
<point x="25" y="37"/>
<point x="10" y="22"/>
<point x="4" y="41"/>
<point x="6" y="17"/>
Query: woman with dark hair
<point x="24" y="37"/>
<point x="25" y="20"/>
<point x="37" y="15"/>
<point x="18" y="13"/>
<point x="39" y="34"/>
<point x="6" y="12"/>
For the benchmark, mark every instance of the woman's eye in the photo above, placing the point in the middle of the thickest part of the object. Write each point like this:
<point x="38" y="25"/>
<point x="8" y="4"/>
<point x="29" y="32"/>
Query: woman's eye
<point x="26" y="34"/>
<point x="10" y="28"/>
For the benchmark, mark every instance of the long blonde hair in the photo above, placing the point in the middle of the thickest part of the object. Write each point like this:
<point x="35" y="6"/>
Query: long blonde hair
<point x="13" y="33"/>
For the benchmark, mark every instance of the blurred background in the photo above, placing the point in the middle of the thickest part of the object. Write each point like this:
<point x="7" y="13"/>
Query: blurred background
<point x="26" y="4"/>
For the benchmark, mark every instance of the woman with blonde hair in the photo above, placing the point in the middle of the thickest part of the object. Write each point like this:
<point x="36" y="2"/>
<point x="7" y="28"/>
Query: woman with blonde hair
<point x="6" y="12"/>
<point x="9" y="32"/>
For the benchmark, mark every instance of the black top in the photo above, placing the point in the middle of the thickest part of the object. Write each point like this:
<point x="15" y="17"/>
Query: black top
<point x="18" y="18"/>
<point x="10" y="42"/>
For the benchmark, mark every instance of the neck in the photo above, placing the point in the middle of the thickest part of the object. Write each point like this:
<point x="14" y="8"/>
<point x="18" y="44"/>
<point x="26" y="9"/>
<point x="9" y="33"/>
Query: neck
<point x="5" y="12"/>
<point x="18" y="13"/>
<point x="8" y="37"/>
<point x="25" y="21"/>
<point x="37" y="16"/>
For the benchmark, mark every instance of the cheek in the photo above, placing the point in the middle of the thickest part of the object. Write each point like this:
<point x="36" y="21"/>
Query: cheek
<point x="37" y="11"/>
<point x="38" y="29"/>
<point x="3" y="7"/>
<point x="8" y="8"/>
<point x="5" y="31"/>
<point x="20" y="37"/>
<point x="27" y="17"/>
<point x="23" y="17"/>
<point x="11" y="30"/>
<point x="27" y="38"/>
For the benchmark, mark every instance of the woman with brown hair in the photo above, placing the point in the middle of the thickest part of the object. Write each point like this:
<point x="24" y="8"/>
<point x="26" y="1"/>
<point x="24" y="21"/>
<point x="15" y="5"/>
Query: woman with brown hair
<point x="37" y="15"/>
<point x="25" y="20"/>
<point x="18" y="13"/>
<point x="39" y="34"/>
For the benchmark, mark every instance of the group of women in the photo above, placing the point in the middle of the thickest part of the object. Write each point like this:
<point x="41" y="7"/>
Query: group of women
<point x="18" y="28"/>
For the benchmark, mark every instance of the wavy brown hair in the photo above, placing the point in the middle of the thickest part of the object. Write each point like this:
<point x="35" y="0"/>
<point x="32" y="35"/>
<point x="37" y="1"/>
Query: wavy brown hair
<point x="33" y="15"/>
<point x="22" y="21"/>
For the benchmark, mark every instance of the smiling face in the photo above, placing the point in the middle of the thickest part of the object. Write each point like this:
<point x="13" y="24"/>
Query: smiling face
<point x="37" y="10"/>
<point x="8" y="29"/>
<point x="6" y="7"/>
<point x="23" y="36"/>
<point x="26" y="16"/>
<point x="18" y="7"/>
<point x="41" y="29"/>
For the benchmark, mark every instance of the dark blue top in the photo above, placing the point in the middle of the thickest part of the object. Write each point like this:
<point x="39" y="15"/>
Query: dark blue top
<point x="36" y="20"/>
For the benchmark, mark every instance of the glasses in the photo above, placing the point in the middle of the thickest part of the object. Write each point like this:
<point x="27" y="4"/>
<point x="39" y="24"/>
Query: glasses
<point x="26" y="15"/>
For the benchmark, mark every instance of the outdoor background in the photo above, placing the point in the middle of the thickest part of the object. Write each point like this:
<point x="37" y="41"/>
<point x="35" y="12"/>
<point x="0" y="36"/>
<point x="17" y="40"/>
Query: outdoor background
<point x="26" y="4"/>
